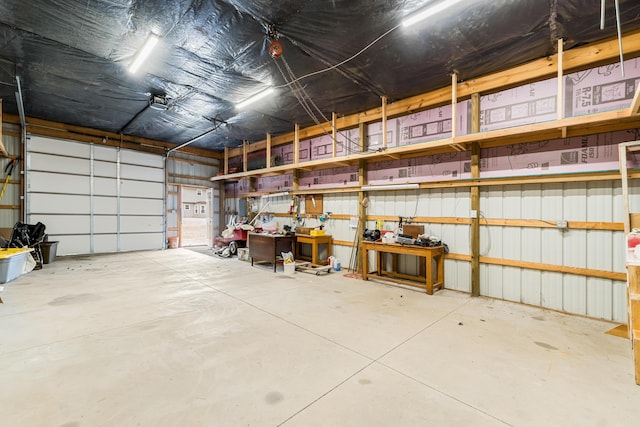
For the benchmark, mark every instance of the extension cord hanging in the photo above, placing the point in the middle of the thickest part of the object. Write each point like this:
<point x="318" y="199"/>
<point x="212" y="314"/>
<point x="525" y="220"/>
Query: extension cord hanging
<point x="305" y="100"/>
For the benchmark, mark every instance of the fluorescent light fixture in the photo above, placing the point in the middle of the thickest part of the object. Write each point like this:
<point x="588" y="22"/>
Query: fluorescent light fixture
<point x="144" y="53"/>
<point x="428" y="12"/>
<point x="268" y="196"/>
<point x="254" y="98"/>
<point x="413" y="186"/>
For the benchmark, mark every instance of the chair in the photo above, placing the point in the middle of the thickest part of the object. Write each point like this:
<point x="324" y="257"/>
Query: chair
<point x="28" y="235"/>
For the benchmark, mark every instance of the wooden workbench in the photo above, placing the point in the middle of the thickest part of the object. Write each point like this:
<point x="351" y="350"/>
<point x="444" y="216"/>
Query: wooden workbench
<point x="267" y="247"/>
<point x="425" y="281"/>
<point x="318" y="257"/>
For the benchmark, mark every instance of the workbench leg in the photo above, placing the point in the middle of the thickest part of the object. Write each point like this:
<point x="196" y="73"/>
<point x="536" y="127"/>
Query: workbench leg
<point x="314" y="254"/>
<point x="429" y="266"/>
<point x="365" y="263"/>
<point x="441" y="270"/>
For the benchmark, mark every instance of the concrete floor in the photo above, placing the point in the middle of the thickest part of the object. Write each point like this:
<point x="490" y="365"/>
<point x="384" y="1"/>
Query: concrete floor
<point x="179" y="338"/>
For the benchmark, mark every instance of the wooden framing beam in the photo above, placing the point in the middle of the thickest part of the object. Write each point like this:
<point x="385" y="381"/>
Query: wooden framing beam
<point x="334" y="135"/>
<point x="296" y="145"/>
<point x="245" y="156"/>
<point x="226" y="160"/>
<point x="475" y="198"/>
<point x="85" y="134"/>
<point x="575" y="59"/>
<point x="454" y="104"/>
<point x="634" y="316"/>
<point x="384" y="122"/>
<point x="560" y="96"/>
<point x="268" y="154"/>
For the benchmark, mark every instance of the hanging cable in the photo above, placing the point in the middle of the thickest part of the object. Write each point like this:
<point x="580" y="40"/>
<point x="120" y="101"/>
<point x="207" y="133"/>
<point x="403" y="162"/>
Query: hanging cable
<point x="307" y="103"/>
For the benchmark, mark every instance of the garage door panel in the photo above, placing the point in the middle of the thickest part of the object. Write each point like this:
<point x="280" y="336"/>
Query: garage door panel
<point x="141" y="173"/>
<point x="59" y="183"/>
<point x="58" y="146"/>
<point x="105" y="186"/>
<point x="63" y="224"/>
<point x="138" y="242"/>
<point x="103" y="243"/>
<point x="53" y="163"/>
<point x="140" y="158"/>
<point x="58" y="204"/>
<point x="107" y="154"/>
<point x="108" y="169"/>
<point x="95" y="199"/>
<point x="151" y="190"/>
<point x="140" y="207"/>
<point x="105" y="205"/>
<point x="137" y="224"/>
<point x="105" y="224"/>
<point x="71" y="245"/>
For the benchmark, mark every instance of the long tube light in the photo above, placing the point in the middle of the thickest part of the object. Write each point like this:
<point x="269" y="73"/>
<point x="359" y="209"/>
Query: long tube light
<point x="254" y="98"/>
<point x="268" y="196"/>
<point x="144" y="53"/>
<point x="413" y="186"/>
<point x="428" y="12"/>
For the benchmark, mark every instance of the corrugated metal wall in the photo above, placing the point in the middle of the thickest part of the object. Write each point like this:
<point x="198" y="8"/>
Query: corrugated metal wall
<point x="584" y="248"/>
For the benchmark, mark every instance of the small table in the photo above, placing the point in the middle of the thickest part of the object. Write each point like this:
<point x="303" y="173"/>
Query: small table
<point x="267" y="247"/>
<point x="315" y="242"/>
<point x="429" y="253"/>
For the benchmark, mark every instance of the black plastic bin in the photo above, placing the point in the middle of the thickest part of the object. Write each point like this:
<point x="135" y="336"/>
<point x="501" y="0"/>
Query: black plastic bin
<point x="49" y="250"/>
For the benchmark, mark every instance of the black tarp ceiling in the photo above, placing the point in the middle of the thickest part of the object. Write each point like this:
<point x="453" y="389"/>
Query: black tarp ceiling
<point x="72" y="57"/>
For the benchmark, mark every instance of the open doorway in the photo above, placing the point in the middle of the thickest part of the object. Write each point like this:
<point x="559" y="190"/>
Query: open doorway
<point x="196" y="216"/>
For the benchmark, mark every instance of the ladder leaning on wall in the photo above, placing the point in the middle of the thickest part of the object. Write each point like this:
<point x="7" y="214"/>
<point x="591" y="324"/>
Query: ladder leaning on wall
<point x="631" y="220"/>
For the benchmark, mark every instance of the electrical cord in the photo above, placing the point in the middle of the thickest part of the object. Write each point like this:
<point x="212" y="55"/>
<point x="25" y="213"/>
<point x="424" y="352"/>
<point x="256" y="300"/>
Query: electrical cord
<point x="349" y="59"/>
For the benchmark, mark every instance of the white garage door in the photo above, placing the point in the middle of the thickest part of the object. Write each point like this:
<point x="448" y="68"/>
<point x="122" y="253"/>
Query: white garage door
<point x="95" y="199"/>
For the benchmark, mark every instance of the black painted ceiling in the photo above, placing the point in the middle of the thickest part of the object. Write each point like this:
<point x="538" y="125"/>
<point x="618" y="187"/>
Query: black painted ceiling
<point x="72" y="56"/>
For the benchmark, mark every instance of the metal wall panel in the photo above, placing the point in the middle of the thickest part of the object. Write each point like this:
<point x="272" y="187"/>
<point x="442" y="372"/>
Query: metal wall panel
<point x="594" y="249"/>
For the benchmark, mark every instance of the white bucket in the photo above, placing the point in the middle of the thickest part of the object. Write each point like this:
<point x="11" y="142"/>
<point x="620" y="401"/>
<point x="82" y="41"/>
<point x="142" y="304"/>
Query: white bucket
<point x="289" y="268"/>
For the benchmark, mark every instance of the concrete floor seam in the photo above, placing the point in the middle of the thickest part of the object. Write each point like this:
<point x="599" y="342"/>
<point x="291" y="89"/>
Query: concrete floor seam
<point x="443" y="393"/>
<point x="326" y="393"/>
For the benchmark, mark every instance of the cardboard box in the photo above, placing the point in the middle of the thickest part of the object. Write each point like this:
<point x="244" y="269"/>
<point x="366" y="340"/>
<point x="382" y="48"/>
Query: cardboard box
<point x="413" y="230"/>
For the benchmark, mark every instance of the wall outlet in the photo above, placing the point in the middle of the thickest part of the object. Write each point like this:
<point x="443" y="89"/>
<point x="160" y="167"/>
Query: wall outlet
<point x="473" y="213"/>
<point x="562" y="224"/>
